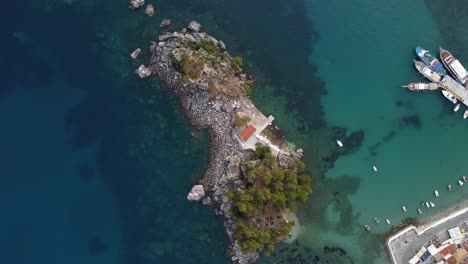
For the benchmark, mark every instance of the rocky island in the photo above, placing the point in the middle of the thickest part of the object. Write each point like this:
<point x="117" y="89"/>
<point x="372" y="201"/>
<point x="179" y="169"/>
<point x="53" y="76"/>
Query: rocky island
<point x="253" y="178"/>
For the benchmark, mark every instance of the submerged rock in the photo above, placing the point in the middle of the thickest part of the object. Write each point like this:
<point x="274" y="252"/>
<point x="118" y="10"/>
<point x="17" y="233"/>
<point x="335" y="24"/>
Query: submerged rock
<point x="149" y="10"/>
<point x="134" y="4"/>
<point x="165" y="23"/>
<point x="196" y="193"/>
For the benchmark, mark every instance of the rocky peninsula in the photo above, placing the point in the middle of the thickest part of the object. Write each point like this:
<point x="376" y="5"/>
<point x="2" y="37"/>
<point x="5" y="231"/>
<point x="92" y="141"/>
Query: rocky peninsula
<point x="253" y="179"/>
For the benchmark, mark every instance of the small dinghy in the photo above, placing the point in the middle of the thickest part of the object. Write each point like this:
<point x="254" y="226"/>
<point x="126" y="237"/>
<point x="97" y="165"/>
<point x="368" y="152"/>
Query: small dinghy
<point x="428" y="205"/>
<point x="339" y="143"/>
<point x="404" y="209"/>
<point x="367" y="227"/>
<point x="423" y="204"/>
<point x="436" y="193"/>
<point x="432" y="204"/>
<point x="388" y="221"/>
<point x="460" y="183"/>
<point x="465" y="178"/>
<point x="376" y="220"/>
<point x="465" y="115"/>
<point x="449" y="187"/>
<point x="374" y="168"/>
<point x="419" y="211"/>
<point x="455" y="109"/>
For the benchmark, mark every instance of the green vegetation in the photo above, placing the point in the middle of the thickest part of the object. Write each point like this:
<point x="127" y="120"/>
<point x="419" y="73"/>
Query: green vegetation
<point x="247" y="89"/>
<point x="189" y="66"/>
<point x="209" y="46"/>
<point x="241" y="121"/>
<point x="270" y="191"/>
<point x="238" y="61"/>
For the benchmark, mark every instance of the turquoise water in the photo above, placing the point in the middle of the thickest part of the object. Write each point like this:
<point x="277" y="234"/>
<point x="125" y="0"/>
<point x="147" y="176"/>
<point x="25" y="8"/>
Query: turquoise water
<point x="99" y="162"/>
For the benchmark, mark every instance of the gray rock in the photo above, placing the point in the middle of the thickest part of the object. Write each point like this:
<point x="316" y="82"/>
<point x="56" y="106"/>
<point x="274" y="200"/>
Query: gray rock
<point x="190" y="38"/>
<point x="134" y="4"/>
<point x="143" y="72"/>
<point x="221" y="45"/>
<point x="149" y="10"/>
<point x="135" y="53"/>
<point x="196" y="193"/>
<point x="165" y="37"/>
<point x="165" y="23"/>
<point x="194" y="26"/>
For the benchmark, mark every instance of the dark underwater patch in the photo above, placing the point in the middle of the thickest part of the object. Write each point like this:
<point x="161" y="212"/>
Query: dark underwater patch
<point x="411" y="121"/>
<point x="96" y="246"/>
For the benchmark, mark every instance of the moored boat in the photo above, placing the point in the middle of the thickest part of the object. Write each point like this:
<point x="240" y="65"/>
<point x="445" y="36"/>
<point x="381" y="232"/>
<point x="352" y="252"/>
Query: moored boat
<point x="388" y="221"/>
<point x="465" y="115"/>
<point x="419" y="211"/>
<point x="460" y="183"/>
<point x="404" y="208"/>
<point x="430" y="60"/>
<point x="339" y="143"/>
<point x="436" y="193"/>
<point x="465" y="178"/>
<point x="449" y="96"/>
<point x="367" y="227"/>
<point x="454" y="66"/>
<point x="376" y="220"/>
<point x="422" y="86"/>
<point x="432" y="204"/>
<point x="456" y="108"/>
<point x="428" y="205"/>
<point x="449" y="187"/>
<point x="426" y="71"/>
<point x="374" y="168"/>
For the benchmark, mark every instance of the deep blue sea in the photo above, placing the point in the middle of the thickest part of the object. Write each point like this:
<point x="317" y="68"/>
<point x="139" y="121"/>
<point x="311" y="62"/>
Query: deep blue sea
<point x="96" y="163"/>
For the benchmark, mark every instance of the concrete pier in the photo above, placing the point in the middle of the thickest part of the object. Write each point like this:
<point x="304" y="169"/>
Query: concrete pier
<point x="452" y="86"/>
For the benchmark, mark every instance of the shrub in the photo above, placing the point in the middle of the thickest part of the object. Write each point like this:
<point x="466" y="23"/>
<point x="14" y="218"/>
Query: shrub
<point x="238" y="61"/>
<point x="247" y="89"/>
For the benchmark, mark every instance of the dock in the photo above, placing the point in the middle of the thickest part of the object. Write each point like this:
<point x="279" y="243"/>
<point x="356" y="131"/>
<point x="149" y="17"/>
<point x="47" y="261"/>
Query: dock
<point x="455" y="88"/>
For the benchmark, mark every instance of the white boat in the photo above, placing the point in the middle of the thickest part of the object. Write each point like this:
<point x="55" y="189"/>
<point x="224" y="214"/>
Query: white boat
<point x="419" y="211"/>
<point x="422" y="86"/>
<point x="432" y="204"/>
<point x="374" y="168"/>
<point x="465" y="178"/>
<point x="423" y="204"/>
<point x="404" y="209"/>
<point x="436" y="193"/>
<point x="376" y="220"/>
<point x="449" y="187"/>
<point x="339" y="143"/>
<point x="455" y="109"/>
<point x="367" y="227"/>
<point x="388" y="221"/>
<point x="460" y="183"/>
<point x="449" y="96"/>
<point x="465" y="115"/>
<point x="428" y="205"/>
<point x="426" y="71"/>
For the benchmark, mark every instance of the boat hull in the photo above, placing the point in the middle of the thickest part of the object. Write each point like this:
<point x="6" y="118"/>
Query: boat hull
<point x="454" y="66"/>
<point x="430" y="60"/>
<point x="426" y="71"/>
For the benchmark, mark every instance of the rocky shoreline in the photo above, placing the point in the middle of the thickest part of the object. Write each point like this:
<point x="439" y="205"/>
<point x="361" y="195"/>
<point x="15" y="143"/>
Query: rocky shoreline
<point x="211" y="100"/>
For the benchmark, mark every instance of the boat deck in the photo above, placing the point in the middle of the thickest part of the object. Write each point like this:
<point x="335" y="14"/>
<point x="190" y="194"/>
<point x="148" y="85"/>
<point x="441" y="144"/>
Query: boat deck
<point x="455" y="88"/>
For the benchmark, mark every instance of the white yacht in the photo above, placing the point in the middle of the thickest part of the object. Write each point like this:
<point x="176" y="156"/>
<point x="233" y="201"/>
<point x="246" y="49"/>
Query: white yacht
<point x="404" y="208"/>
<point x="465" y="178"/>
<point x="436" y="193"/>
<point x="376" y="220"/>
<point x="449" y="187"/>
<point x="367" y="227"/>
<point x="449" y="96"/>
<point x="432" y="204"/>
<point x="419" y="211"/>
<point x="460" y="183"/>
<point x="465" y="115"/>
<point x="374" y="168"/>
<point x="455" y="109"/>
<point x="388" y="221"/>
<point x="428" y="205"/>
<point x="339" y="143"/>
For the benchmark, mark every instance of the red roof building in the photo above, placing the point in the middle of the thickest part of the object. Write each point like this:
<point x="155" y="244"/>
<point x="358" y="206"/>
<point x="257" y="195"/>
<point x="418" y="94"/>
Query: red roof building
<point x="451" y="248"/>
<point x="247" y="133"/>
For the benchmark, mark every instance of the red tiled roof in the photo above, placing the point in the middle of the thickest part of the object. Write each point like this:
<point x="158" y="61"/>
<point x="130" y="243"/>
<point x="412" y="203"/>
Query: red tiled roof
<point x="451" y="248"/>
<point x="452" y="260"/>
<point x="248" y="132"/>
<point x="444" y="251"/>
